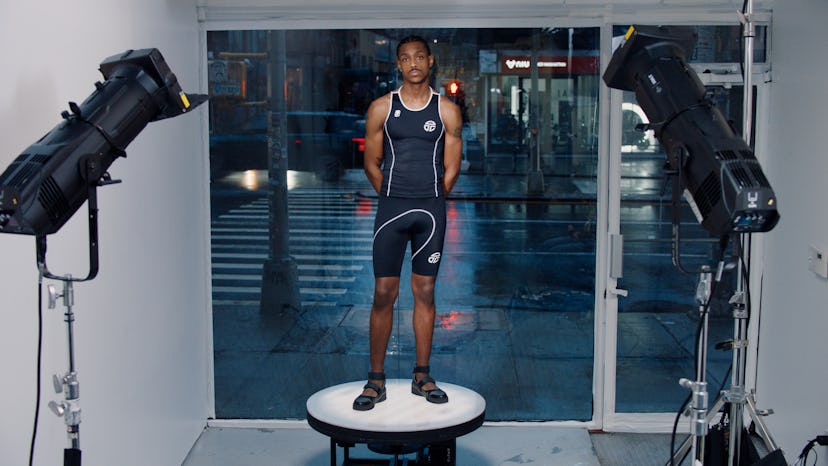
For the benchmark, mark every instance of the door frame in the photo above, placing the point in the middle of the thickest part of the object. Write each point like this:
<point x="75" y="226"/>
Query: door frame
<point x="605" y="416"/>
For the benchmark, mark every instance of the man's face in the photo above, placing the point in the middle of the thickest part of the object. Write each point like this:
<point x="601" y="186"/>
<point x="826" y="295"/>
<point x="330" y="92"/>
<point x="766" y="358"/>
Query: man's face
<point x="414" y="62"/>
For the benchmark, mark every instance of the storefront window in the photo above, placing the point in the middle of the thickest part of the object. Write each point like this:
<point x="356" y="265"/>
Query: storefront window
<point x="515" y="294"/>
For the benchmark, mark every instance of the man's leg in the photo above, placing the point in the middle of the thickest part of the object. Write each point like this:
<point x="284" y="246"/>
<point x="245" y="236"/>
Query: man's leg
<point x="386" y="290"/>
<point x="422" y="287"/>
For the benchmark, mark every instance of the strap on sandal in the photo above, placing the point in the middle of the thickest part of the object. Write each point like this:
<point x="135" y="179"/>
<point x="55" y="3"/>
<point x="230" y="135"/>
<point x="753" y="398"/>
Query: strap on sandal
<point x="372" y="385"/>
<point x="425" y="380"/>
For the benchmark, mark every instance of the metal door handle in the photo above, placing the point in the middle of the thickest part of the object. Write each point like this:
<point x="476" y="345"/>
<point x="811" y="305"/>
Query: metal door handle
<point x="619" y="292"/>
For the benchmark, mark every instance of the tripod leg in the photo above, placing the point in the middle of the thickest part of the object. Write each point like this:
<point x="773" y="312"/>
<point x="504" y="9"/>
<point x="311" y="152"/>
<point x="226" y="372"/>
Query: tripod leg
<point x="759" y="424"/>
<point x="684" y="448"/>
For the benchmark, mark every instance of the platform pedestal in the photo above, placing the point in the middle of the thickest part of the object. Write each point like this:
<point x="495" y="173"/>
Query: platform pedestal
<point x="403" y="423"/>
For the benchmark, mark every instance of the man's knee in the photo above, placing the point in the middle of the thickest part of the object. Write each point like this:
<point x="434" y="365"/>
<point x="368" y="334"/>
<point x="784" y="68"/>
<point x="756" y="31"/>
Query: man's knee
<point x="423" y="288"/>
<point x="385" y="293"/>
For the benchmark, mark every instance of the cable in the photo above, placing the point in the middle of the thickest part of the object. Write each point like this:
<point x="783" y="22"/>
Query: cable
<point x="705" y="309"/>
<point x="675" y="428"/>
<point x="39" y="358"/>
<point x="696" y="369"/>
<point x="806" y="451"/>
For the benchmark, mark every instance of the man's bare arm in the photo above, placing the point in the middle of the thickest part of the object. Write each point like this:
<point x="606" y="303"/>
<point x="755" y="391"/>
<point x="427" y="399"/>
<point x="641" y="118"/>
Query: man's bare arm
<point x="374" y="139"/>
<point x="453" y="154"/>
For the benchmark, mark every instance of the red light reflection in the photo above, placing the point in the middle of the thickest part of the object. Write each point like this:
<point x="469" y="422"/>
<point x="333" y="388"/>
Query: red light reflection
<point x="454" y="319"/>
<point x="360" y="143"/>
<point x="364" y="207"/>
<point x="452" y="228"/>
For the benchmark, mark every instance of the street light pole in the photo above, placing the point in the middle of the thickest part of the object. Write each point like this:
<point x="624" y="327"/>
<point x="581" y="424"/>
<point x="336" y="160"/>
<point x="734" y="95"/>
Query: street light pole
<point x="534" y="177"/>
<point x="279" y="273"/>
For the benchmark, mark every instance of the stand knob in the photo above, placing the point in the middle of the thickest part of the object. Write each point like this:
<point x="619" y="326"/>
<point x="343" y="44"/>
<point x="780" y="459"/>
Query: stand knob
<point x="53" y="296"/>
<point x="58" y="383"/>
<point x="58" y="408"/>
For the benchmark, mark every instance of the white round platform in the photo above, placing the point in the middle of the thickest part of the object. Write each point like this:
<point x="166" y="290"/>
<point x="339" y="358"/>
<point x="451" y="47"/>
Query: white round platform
<point x="402" y="417"/>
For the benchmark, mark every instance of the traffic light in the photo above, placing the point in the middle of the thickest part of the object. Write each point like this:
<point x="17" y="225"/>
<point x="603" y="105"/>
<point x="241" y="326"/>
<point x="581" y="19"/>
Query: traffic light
<point x="454" y="88"/>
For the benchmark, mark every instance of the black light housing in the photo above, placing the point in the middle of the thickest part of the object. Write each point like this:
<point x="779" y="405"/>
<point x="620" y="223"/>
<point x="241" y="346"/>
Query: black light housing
<point x="46" y="184"/>
<point x="722" y="179"/>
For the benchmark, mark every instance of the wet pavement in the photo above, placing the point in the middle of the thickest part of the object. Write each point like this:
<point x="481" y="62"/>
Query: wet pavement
<point x="515" y="299"/>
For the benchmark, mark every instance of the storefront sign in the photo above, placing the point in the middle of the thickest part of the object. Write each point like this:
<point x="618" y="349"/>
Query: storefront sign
<point x="521" y="64"/>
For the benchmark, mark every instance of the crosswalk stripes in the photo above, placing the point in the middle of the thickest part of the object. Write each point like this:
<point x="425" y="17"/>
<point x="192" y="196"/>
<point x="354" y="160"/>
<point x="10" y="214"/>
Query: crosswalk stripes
<point x="330" y="239"/>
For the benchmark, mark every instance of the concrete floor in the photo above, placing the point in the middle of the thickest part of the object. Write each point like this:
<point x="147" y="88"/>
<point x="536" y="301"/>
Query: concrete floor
<point x="486" y="446"/>
<point x="293" y="443"/>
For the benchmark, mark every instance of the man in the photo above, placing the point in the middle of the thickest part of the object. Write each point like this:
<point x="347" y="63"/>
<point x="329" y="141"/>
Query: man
<point x="413" y="151"/>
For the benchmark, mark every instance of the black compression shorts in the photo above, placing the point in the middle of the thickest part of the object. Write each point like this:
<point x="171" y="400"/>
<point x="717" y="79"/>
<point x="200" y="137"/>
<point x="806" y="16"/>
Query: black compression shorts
<point x="421" y="220"/>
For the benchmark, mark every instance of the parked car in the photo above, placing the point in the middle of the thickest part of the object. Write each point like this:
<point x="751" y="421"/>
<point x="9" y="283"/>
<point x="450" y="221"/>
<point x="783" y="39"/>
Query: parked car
<point x="322" y="142"/>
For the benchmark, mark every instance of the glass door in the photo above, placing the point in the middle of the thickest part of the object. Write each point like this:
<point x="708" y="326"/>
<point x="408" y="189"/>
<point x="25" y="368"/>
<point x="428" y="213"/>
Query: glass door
<point x="658" y="318"/>
<point x="656" y="248"/>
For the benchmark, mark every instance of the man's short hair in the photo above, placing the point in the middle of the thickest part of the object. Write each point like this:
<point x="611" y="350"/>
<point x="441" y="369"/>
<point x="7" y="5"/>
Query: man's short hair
<point x="410" y="39"/>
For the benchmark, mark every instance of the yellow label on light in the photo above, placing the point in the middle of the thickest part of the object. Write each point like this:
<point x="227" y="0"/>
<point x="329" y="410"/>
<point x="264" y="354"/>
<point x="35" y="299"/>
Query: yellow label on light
<point x="185" y="100"/>
<point x="630" y="32"/>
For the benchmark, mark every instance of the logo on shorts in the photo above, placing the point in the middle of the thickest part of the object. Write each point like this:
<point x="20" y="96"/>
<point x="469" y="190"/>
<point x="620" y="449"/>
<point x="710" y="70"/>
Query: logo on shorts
<point x="434" y="258"/>
<point x="430" y="126"/>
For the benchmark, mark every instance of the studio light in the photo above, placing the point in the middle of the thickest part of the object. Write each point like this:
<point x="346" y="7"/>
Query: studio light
<point x="719" y="173"/>
<point x="47" y="183"/>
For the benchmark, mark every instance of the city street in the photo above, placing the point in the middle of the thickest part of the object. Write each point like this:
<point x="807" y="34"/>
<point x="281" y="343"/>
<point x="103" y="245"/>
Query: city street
<point x="515" y="302"/>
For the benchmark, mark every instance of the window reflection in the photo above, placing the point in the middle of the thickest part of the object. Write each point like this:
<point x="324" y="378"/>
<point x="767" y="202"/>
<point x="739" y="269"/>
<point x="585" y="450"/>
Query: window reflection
<point x="515" y="295"/>
<point x="656" y="320"/>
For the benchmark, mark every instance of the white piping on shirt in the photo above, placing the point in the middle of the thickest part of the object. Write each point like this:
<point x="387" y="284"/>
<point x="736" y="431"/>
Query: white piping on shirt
<point x="434" y="153"/>
<point x="390" y="143"/>
<point x="433" y="92"/>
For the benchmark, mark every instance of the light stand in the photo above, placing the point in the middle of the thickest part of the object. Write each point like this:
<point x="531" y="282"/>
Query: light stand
<point x="698" y="388"/>
<point x="68" y="384"/>
<point x="737" y="396"/>
<point x="69" y="408"/>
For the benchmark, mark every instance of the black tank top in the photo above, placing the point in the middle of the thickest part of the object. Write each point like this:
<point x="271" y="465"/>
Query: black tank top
<point x="413" y="149"/>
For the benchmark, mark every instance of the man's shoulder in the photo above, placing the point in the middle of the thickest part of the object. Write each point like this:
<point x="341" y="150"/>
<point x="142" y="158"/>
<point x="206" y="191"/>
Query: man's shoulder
<point x="446" y="105"/>
<point x="380" y="103"/>
<point x="378" y="110"/>
<point x="384" y="99"/>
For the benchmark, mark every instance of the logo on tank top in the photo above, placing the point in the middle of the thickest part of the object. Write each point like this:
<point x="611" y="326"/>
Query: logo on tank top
<point x="397" y="113"/>
<point x="434" y="258"/>
<point x="430" y="126"/>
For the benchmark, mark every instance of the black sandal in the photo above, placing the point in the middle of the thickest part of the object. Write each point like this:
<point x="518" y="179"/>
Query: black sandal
<point x="366" y="402"/>
<point x="432" y="396"/>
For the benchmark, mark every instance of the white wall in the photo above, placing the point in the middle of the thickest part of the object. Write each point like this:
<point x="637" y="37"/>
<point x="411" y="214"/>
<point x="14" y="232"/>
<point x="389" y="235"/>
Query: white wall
<point x="792" y="368"/>
<point x="143" y="326"/>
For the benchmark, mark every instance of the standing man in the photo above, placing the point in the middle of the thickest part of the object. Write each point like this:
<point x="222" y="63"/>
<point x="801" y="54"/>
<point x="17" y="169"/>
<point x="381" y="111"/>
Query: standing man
<point x="413" y="150"/>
